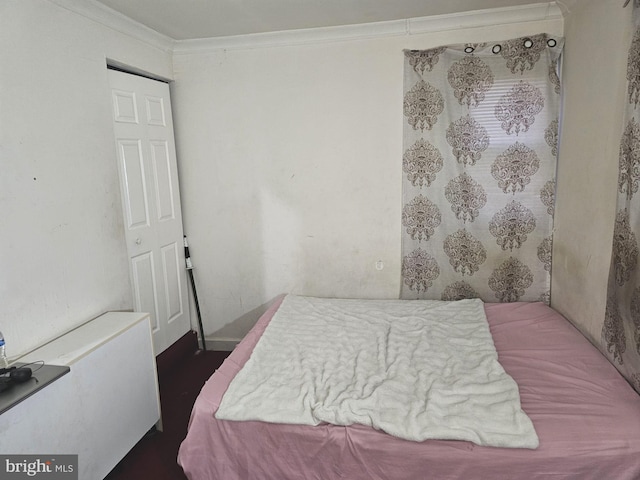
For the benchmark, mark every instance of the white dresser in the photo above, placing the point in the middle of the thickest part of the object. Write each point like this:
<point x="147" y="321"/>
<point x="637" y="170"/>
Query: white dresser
<point x="102" y="407"/>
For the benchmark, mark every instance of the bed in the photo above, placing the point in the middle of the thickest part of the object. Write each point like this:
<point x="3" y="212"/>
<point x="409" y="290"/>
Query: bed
<point x="587" y="419"/>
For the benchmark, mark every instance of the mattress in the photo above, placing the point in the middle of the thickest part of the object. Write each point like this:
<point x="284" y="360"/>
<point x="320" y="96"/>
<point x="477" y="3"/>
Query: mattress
<point x="417" y="370"/>
<point x="586" y="415"/>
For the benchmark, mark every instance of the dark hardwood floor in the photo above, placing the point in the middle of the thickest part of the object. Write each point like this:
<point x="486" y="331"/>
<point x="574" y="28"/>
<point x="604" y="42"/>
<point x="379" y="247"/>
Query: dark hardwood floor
<point x="181" y="377"/>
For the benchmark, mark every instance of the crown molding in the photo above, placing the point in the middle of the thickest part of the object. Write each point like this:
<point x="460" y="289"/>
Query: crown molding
<point x="291" y="37"/>
<point x="412" y="26"/>
<point x="114" y="20"/>
<point x="486" y="18"/>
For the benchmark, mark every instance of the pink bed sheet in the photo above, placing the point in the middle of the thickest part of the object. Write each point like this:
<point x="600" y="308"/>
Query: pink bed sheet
<point x="586" y="415"/>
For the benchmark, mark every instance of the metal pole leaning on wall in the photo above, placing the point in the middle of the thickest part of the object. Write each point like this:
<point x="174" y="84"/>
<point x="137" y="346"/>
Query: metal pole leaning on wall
<point x="193" y="288"/>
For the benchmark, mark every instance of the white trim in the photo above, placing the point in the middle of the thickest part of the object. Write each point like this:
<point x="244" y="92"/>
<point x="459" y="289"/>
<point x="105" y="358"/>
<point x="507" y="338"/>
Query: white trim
<point x="292" y="37"/>
<point x="222" y="344"/>
<point x="412" y="26"/>
<point x="114" y="20"/>
<point x="110" y="18"/>
<point x="486" y="18"/>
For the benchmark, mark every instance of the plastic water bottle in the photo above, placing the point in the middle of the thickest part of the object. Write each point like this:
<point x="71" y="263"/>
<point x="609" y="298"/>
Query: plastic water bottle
<point x="4" y="363"/>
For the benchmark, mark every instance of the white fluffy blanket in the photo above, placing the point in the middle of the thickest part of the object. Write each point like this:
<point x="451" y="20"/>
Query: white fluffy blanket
<point x="416" y="369"/>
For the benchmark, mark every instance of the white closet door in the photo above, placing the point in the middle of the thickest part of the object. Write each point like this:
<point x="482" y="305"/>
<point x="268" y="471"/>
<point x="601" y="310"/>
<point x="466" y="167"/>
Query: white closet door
<point x="151" y="203"/>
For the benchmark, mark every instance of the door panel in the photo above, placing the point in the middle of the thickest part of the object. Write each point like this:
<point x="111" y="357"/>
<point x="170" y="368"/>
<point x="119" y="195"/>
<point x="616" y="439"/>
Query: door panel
<point x="135" y="189"/>
<point x="162" y="177"/>
<point x="155" y="111"/>
<point x="144" y="287"/>
<point x="125" y="108"/>
<point x="151" y="203"/>
<point x="171" y="270"/>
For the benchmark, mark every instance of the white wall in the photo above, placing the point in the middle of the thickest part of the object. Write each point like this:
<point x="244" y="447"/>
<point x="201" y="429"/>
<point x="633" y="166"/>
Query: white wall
<point x="289" y="162"/>
<point x="62" y="252"/>
<point x="290" y="166"/>
<point x="597" y="38"/>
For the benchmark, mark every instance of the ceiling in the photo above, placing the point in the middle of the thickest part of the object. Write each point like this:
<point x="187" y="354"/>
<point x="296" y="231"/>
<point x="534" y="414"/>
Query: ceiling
<point x="191" y="19"/>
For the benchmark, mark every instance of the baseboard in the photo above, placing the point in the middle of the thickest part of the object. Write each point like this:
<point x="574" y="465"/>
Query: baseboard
<point x="222" y="344"/>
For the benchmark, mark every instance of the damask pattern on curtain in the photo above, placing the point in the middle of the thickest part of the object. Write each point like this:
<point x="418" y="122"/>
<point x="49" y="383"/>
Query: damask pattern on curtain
<point x="479" y="164"/>
<point x="621" y="329"/>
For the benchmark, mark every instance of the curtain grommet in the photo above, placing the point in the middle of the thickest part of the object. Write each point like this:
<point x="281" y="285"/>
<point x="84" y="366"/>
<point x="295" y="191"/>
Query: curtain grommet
<point x="496" y="49"/>
<point x="551" y="42"/>
<point x="528" y="43"/>
<point x="469" y="49"/>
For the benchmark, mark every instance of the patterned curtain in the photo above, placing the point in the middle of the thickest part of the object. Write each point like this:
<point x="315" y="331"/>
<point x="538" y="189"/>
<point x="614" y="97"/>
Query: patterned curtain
<point x="621" y="330"/>
<point x="479" y="163"/>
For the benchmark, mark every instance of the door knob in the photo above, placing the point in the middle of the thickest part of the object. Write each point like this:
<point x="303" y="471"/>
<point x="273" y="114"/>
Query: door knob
<point x="138" y="241"/>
